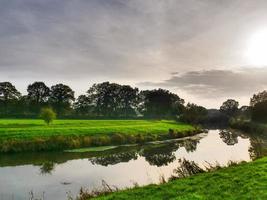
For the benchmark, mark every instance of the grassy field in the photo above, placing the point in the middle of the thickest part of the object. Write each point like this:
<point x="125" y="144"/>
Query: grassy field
<point x="23" y="135"/>
<point x="245" y="181"/>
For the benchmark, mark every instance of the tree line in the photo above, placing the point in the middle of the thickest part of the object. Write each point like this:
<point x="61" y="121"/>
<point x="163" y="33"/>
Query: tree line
<point x="102" y="100"/>
<point x="112" y="100"/>
<point x="256" y="111"/>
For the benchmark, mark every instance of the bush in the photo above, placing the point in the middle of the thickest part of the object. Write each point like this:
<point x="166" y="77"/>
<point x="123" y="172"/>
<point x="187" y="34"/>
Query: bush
<point x="131" y="139"/>
<point x="48" y="115"/>
<point x="172" y="133"/>
<point x="100" y="140"/>
<point x="118" y="139"/>
<point x="140" y="139"/>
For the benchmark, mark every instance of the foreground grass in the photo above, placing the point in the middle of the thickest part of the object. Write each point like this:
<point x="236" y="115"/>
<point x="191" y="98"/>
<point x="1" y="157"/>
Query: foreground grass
<point x="245" y="181"/>
<point x="34" y="135"/>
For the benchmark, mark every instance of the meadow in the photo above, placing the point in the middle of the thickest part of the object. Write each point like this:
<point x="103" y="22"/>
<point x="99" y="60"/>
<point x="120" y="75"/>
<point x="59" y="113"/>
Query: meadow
<point x="34" y="135"/>
<point x="244" y="181"/>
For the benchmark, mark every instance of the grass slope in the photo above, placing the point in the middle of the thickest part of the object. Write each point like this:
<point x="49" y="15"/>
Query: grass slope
<point x="22" y="135"/>
<point x="245" y="181"/>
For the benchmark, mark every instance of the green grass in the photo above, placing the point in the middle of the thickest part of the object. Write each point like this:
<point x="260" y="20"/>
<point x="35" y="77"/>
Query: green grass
<point x="32" y="128"/>
<point x="22" y="135"/>
<point x="245" y="181"/>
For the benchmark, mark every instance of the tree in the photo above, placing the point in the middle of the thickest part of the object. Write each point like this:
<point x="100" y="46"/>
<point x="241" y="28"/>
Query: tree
<point x="194" y="114"/>
<point x="48" y="115"/>
<point x="127" y="100"/>
<point x="259" y="106"/>
<point x="103" y="96"/>
<point x="160" y="103"/>
<point x="259" y="112"/>
<point x="229" y="107"/>
<point x="38" y="94"/>
<point x="113" y="100"/>
<point x="8" y="91"/>
<point x="61" y="97"/>
<point x="83" y="106"/>
<point x="8" y="97"/>
<point x="257" y="98"/>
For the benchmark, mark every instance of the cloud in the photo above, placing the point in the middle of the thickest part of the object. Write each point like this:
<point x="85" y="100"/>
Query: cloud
<point x="212" y="84"/>
<point x="127" y="41"/>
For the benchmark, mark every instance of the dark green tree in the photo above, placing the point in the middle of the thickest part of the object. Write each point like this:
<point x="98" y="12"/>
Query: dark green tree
<point x="61" y="97"/>
<point x="113" y="100"/>
<point x="127" y="101"/>
<point x="38" y="94"/>
<point x="8" y="91"/>
<point x="257" y="98"/>
<point x="258" y="105"/>
<point x="194" y="114"/>
<point x="9" y="96"/>
<point x="83" y="106"/>
<point x="230" y="107"/>
<point x="259" y="112"/>
<point x="160" y="103"/>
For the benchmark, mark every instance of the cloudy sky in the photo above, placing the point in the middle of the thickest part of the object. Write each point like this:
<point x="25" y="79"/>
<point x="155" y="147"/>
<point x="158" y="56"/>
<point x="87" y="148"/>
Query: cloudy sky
<point x="204" y="50"/>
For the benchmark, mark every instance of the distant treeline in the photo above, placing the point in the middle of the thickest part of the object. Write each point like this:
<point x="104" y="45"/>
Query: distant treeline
<point x="112" y="100"/>
<point x="103" y="100"/>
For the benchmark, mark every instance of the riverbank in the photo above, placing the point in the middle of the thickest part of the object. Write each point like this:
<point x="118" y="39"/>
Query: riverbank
<point x="34" y="135"/>
<point x="249" y="126"/>
<point x="244" y="181"/>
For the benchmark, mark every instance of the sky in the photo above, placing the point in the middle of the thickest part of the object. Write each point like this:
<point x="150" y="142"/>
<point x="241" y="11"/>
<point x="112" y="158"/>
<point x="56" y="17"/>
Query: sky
<point x="206" y="51"/>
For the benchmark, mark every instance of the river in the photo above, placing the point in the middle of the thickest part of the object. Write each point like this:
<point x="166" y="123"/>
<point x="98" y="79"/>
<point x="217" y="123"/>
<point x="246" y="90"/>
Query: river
<point x="53" y="175"/>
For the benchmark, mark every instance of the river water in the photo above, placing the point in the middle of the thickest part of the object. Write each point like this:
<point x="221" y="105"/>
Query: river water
<point x="53" y="175"/>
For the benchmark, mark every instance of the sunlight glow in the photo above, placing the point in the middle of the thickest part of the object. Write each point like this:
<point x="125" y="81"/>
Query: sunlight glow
<point x="257" y="48"/>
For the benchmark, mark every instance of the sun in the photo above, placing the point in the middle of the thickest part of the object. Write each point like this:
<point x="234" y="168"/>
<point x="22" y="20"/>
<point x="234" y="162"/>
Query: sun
<point x="257" y="48"/>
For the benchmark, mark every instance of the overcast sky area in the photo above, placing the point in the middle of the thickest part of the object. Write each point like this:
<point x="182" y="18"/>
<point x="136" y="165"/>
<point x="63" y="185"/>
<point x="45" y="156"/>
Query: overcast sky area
<point x="195" y="48"/>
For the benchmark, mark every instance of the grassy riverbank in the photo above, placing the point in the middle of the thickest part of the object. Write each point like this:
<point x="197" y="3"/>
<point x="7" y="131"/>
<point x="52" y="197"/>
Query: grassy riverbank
<point x="245" y="181"/>
<point x="34" y="135"/>
<point x="250" y="127"/>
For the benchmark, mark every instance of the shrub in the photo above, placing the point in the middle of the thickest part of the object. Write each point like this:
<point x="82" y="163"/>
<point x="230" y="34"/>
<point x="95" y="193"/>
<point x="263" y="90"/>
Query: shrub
<point x="172" y="133"/>
<point x="100" y="141"/>
<point x="118" y="138"/>
<point x="48" y="115"/>
<point x="140" y="139"/>
<point x="150" y="137"/>
<point x="131" y="139"/>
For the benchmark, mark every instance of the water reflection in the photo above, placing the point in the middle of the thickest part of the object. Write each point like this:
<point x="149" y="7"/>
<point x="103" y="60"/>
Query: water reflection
<point x="190" y="145"/>
<point x="155" y="154"/>
<point x="47" y="168"/>
<point x="258" y="147"/>
<point x="229" y="137"/>
<point x="160" y="155"/>
<point x="115" y="158"/>
<point x="120" y="166"/>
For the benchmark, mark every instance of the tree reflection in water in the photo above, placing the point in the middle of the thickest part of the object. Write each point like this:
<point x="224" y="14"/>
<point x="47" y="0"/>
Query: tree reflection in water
<point x="189" y="145"/>
<point x="155" y="154"/>
<point x="228" y="137"/>
<point x="47" y="168"/>
<point x="115" y="158"/>
<point x="258" y="148"/>
<point x="161" y="155"/>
